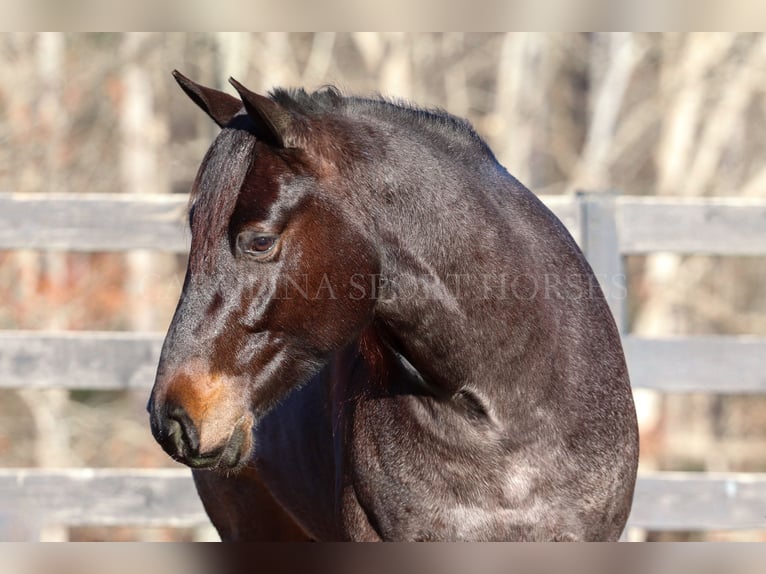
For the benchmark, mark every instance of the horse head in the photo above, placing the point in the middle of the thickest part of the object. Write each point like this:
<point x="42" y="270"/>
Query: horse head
<point x="276" y="281"/>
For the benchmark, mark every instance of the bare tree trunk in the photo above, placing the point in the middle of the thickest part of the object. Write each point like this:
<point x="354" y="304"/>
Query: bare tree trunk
<point x="233" y="50"/>
<point x="52" y="446"/>
<point x="26" y="45"/>
<point x="144" y="136"/>
<point x="612" y="64"/>
<point x="138" y="174"/>
<point x="277" y="65"/>
<point x="49" y="407"/>
<point x="52" y="121"/>
<point x="371" y="48"/>
<point x="726" y="118"/>
<point x="455" y="74"/>
<point x="320" y="59"/>
<point x="396" y="71"/>
<point x="682" y="74"/>
<point x="519" y="102"/>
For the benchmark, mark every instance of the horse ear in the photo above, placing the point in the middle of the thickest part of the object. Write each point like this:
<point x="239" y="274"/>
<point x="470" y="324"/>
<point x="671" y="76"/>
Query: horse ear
<point x="218" y="105"/>
<point x="277" y="122"/>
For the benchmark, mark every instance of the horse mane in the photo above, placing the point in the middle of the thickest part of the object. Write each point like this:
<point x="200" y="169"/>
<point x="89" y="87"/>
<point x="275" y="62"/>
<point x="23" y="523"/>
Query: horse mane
<point x="433" y="120"/>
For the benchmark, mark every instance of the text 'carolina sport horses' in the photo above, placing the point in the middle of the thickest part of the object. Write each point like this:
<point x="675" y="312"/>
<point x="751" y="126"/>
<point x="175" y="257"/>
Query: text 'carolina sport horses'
<point x="382" y="335"/>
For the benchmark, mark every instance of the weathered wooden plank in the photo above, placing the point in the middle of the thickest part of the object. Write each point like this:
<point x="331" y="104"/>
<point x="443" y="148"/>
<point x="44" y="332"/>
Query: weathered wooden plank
<point x="104" y="497"/>
<point x="78" y="359"/>
<point x="118" y="222"/>
<point x="712" y="364"/>
<point x="157" y="497"/>
<point x="722" y="226"/>
<point x="124" y="360"/>
<point x="700" y="501"/>
<point x="93" y="222"/>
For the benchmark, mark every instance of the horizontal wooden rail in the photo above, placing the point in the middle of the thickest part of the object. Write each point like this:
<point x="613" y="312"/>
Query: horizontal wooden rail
<point x="714" y="226"/>
<point x="705" y="364"/>
<point x="167" y="497"/>
<point x="85" y="360"/>
<point x="100" y="497"/>
<point x="700" y="501"/>
<point x="120" y="222"/>
<point x="128" y="360"/>
<point x="93" y="222"/>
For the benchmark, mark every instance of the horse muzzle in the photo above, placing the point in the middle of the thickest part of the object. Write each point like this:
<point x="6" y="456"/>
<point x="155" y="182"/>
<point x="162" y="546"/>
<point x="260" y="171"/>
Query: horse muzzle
<point x="180" y="437"/>
<point x="201" y="418"/>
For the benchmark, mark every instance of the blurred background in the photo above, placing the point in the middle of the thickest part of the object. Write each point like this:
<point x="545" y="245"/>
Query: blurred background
<point x="679" y="115"/>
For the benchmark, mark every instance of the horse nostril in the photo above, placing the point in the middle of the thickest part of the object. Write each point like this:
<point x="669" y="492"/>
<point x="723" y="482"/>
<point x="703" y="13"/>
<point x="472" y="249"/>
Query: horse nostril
<point x="189" y="436"/>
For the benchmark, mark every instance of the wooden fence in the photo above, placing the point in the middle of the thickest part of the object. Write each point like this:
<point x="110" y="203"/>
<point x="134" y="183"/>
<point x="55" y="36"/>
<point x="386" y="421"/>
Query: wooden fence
<point x="606" y="226"/>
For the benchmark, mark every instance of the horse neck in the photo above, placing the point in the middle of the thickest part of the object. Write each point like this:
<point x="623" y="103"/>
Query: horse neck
<point x="446" y="304"/>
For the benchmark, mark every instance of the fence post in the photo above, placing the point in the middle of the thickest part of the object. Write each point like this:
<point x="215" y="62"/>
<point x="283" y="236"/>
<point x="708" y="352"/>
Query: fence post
<point x="600" y="243"/>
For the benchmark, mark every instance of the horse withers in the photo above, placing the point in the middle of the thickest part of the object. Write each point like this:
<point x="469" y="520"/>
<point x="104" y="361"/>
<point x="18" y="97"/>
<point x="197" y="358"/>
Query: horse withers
<point x="382" y="335"/>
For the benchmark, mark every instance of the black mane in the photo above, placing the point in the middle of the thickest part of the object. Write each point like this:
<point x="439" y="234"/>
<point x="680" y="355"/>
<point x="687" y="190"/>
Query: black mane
<point x="330" y="100"/>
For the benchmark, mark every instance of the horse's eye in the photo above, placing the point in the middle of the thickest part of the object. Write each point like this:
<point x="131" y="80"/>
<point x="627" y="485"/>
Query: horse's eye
<point x="256" y="244"/>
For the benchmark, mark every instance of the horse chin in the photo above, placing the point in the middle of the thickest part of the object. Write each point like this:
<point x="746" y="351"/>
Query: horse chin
<point x="230" y="458"/>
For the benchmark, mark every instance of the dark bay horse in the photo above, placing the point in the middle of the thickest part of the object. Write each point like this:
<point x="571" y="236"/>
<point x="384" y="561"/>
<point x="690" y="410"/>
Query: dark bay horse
<point x="382" y="335"/>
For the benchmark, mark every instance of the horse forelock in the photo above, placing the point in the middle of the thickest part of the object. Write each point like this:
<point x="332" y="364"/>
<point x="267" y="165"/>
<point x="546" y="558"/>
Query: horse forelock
<point x="215" y="192"/>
